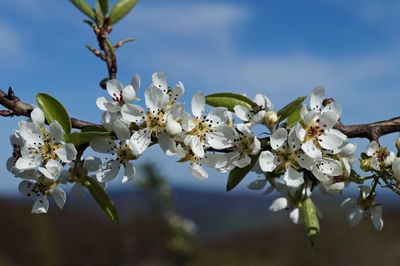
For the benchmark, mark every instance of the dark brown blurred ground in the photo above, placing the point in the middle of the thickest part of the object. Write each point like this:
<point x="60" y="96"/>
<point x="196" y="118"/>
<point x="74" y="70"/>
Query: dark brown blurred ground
<point x="232" y="230"/>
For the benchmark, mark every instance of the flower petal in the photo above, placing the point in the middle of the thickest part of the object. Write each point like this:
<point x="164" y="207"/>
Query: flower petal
<point x="155" y="99"/>
<point x="66" y="153"/>
<point x="109" y="171"/>
<point x="311" y="150"/>
<point x="59" y="196"/>
<point x="128" y="94"/>
<point x="268" y="162"/>
<point x="159" y="81"/>
<point x="56" y="131"/>
<point x="132" y="113"/>
<point x="41" y="205"/>
<point x="139" y="141"/>
<point x="167" y="144"/>
<point x="376" y="217"/>
<point x="354" y="216"/>
<point x="243" y="113"/>
<point x="198" y="171"/>
<point x="37" y="116"/>
<point x="317" y="96"/>
<point x="103" y="145"/>
<point x="198" y="104"/>
<point x="114" y="88"/>
<point x="279" y="204"/>
<point x="278" y="139"/>
<point x="129" y="172"/>
<point x="292" y="177"/>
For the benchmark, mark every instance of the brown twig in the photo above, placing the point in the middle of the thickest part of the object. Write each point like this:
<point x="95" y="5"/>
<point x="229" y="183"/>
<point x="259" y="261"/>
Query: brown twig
<point x="16" y="107"/>
<point x="108" y="50"/>
<point x="371" y="131"/>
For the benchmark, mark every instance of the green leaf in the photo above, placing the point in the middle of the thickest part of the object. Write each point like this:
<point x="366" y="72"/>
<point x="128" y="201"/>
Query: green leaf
<point x="85" y="8"/>
<point x="99" y="13"/>
<point x="290" y="108"/>
<point x="54" y="110"/>
<point x="310" y="217"/>
<point x="104" y="6"/>
<point x="93" y="128"/>
<point x="121" y="9"/>
<point x="294" y="118"/>
<point x="228" y="100"/>
<point x="102" y="198"/>
<point x="237" y="174"/>
<point x="80" y="138"/>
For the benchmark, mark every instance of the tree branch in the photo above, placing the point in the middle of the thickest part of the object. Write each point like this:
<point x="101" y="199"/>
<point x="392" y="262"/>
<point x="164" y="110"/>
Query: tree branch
<point x="16" y="107"/>
<point x="371" y="131"/>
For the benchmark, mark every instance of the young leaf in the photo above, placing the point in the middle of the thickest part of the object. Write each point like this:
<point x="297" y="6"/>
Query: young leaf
<point x="99" y="13"/>
<point x="290" y="108"/>
<point x="54" y="110"/>
<point x="85" y="8"/>
<point x="310" y="217"/>
<point x="104" y="6"/>
<point x="228" y="100"/>
<point x="237" y="174"/>
<point x="121" y="9"/>
<point x="80" y="138"/>
<point x="294" y="118"/>
<point x="102" y="198"/>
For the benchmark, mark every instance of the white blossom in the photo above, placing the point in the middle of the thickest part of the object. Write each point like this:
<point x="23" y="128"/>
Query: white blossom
<point x="262" y="105"/>
<point x="46" y="185"/>
<point x="42" y="144"/>
<point x="120" y="95"/>
<point x="121" y="153"/>
<point x="362" y="208"/>
<point x="206" y="130"/>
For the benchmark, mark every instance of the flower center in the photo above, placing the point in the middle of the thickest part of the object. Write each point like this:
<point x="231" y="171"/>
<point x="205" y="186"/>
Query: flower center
<point x="118" y="98"/>
<point x="124" y="153"/>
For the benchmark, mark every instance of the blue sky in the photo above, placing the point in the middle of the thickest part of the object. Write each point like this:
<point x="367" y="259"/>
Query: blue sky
<point x="280" y="48"/>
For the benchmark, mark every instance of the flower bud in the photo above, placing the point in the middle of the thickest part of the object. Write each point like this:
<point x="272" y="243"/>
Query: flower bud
<point x="365" y="164"/>
<point x="173" y="128"/>
<point x="270" y="119"/>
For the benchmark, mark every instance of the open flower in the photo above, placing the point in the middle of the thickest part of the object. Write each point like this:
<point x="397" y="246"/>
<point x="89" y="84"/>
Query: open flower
<point x="244" y="145"/>
<point x="364" y="207"/>
<point x="159" y="121"/>
<point x="122" y="155"/>
<point x="379" y="157"/>
<point x="317" y="130"/>
<point x="42" y="145"/>
<point x="120" y="95"/>
<point x="261" y="106"/>
<point x="76" y="173"/>
<point x="285" y="156"/>
<point x="46" y="185"/>
<point x="217" y="161"/>
<point x="206" y="130"/>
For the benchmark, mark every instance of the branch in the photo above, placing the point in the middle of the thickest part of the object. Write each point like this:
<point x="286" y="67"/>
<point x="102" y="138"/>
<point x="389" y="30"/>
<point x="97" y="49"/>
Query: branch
<point x="16" y="107"/>
<point x="108" y="49"/>
<point x="371" y="131"/>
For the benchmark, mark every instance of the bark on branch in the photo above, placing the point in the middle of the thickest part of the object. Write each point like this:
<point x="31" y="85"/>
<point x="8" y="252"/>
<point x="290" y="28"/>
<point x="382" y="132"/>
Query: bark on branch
<point x="371" y="131"/>
<point x="16" y="107"/>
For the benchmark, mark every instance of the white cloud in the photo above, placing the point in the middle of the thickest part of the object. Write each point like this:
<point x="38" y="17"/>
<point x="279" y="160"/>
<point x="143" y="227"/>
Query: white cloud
<point x="216" y="63"/>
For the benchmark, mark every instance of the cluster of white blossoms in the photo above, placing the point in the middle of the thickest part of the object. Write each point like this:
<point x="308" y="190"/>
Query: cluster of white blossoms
<point x="39" y="156"/>
<point x="298" y="152"/>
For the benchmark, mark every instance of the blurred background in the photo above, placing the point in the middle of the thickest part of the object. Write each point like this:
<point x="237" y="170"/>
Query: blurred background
<point x="280" y="48"/>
